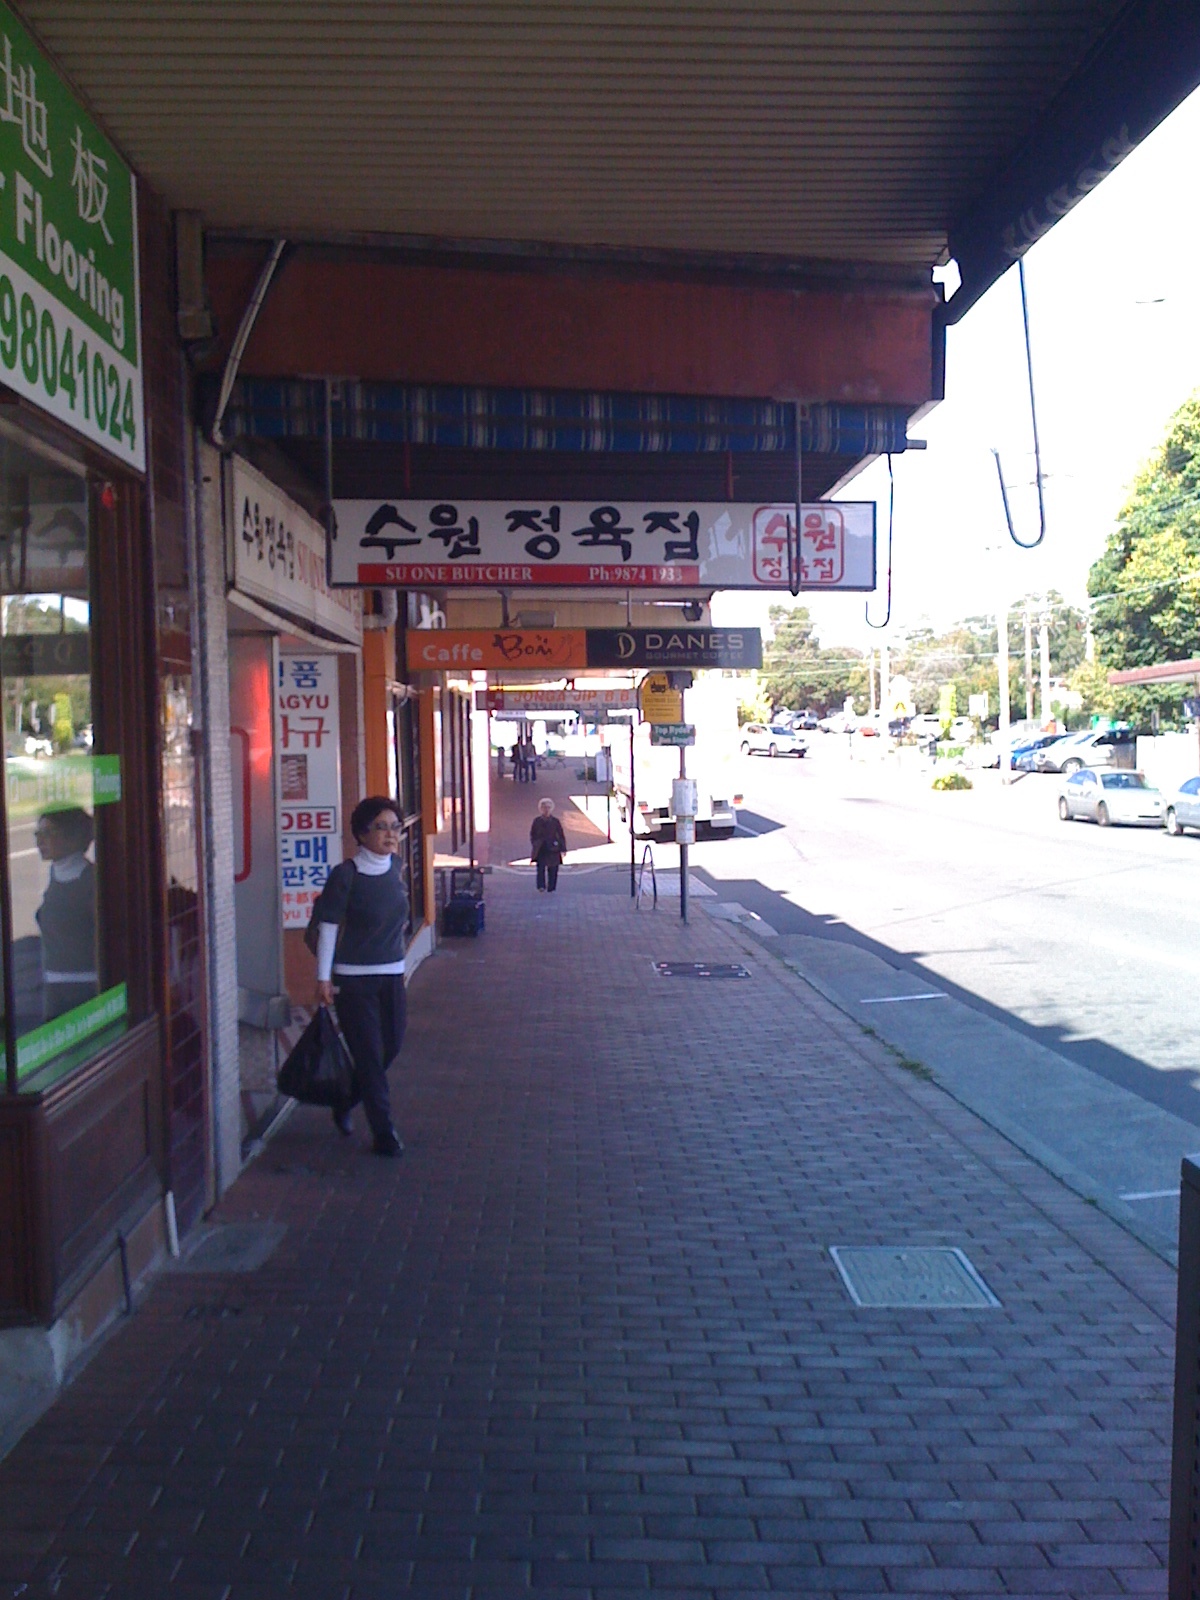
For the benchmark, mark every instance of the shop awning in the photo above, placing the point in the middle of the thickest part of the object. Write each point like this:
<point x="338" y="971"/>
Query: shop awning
<point x="513" y="419"/>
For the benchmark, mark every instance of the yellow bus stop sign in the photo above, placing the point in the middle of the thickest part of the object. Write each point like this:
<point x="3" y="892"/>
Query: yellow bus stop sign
<point x="657" y="701"/>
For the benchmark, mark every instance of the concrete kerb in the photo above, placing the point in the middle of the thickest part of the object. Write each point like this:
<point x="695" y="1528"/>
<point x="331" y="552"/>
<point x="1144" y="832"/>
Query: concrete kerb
<point x="935" y="1098"/>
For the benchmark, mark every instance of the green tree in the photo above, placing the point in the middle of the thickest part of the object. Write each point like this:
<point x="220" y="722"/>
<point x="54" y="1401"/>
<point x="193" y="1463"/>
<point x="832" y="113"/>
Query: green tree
<point x="801" y="674"/>
<point x="1146" y="585"/>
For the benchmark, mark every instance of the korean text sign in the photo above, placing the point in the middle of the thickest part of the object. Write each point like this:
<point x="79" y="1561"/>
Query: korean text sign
<point x="278" y="554"/>
<point x="69" y="329"/>
<point x="310" y="781"/>
<point x="436" y="544"/>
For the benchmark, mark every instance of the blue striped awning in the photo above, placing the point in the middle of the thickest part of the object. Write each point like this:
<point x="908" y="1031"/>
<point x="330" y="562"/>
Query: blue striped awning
<point x="523" y="419"/>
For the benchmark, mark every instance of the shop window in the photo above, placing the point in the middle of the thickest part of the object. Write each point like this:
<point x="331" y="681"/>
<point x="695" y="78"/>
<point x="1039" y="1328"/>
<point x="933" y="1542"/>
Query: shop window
<point x="66" y="994"/>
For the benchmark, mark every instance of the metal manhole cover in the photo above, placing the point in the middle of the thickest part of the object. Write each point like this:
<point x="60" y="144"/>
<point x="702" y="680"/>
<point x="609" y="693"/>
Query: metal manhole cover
<point x="699" y="969"/>
<point x="910" y="1278"/>
<point x="230" y="1247"/>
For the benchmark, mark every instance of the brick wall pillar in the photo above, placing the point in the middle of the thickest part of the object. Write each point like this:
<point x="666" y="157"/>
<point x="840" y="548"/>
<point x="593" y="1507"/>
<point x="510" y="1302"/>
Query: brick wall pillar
<point x="213" y="651"/>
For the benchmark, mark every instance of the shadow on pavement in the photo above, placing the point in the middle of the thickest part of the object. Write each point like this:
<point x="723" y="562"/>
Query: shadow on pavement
<point x="1171" y="1090"/>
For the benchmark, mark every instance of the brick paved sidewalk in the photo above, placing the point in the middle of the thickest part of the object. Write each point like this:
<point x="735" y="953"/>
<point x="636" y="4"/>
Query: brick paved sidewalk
<point x="587" y="1339"/>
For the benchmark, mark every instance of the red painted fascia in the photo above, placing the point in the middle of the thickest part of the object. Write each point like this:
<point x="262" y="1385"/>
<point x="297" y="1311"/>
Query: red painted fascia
<point x="412" y="323"/>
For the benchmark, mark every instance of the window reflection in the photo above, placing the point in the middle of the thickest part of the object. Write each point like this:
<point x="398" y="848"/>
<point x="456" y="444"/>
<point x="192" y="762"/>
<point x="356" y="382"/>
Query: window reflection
<point x="46" y="716"/>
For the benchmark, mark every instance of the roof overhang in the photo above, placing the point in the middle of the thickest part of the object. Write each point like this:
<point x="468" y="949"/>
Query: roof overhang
<point x="802" y="137"/>
<point x="1164" y="672"/>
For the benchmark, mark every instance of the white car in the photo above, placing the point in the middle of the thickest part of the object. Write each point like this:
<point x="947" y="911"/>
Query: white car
<point x="1183" y="808"/>
<point x="772" y="739"/>
<point x="1107" y="797"/>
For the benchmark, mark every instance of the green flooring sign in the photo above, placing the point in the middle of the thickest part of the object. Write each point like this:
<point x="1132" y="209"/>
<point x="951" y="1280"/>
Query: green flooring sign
<point x="52" y="783"/>
<point x="69" y="327"/>
<point x="71" y="1029"/>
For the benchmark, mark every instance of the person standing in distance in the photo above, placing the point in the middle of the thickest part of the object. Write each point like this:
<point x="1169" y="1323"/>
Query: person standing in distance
<point x="547" y="846"/>
<point x="361" y="915"/>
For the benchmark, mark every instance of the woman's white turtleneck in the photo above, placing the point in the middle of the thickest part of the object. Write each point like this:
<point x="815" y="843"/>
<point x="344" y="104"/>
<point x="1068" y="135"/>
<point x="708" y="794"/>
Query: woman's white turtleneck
<point x="371" y="865"/>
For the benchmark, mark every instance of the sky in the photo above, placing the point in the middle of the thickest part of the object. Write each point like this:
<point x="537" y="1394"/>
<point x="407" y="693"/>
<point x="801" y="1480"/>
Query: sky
<point x="1115" y="326"/>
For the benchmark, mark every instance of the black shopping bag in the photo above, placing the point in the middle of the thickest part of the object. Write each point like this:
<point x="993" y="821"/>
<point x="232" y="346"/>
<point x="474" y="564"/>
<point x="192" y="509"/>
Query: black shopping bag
<point x="319" y="1070"/>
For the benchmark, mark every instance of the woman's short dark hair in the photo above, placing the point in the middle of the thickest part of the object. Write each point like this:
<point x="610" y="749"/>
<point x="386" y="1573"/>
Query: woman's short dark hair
<point x="366" y="811"/>
<point x="73" y="825"/>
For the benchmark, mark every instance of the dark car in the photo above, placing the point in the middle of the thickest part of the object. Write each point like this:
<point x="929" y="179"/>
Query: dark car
<point x="1025" y="756"/>
<point x="807" y="720"/>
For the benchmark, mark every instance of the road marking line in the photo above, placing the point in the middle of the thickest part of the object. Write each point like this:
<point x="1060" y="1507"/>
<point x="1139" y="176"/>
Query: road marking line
<point x="894" y="999"/>
<point x="1152" y="1194"/>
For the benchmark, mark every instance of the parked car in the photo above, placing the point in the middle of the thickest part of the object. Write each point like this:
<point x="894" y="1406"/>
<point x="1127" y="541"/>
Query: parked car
<point x="962" y="730"/>
<point x="925" y="725"/>
<point x="837" y="722"/>
<point x="1019" y="745"/>
<point x="806" y="720"/>
<point x="1024" y="757"/>
<point x="1114" y="747"/>
<point x="772" y="739"/>
<point x="1106" y="797"/>
<point x="1183" y="808"/>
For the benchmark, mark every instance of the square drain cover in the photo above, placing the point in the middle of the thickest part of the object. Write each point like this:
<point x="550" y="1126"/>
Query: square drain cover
<point x="230" y="1247"/>
<point x="910" y="1277"/>
<point x="699" y="969"/>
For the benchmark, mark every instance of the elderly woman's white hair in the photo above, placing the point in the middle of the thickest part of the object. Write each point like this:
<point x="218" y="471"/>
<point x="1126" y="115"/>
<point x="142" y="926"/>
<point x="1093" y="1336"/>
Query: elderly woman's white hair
<point x="545" y="801"/>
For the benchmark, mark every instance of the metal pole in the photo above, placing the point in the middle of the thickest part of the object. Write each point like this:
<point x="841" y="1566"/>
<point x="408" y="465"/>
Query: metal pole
<point x="1002" y="731"/>
<point x="1044" y="652"/>
<point x="683" y="849"/>
<point x="632" y="810"/>
<point x="1028" y="664"/>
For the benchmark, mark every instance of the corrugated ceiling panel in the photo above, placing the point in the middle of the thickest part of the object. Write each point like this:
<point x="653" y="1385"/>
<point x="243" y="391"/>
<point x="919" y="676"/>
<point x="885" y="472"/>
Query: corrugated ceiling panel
<point x="840" y="131"/>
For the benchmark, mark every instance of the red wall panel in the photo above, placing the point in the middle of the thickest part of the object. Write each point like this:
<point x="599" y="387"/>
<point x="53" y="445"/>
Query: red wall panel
<point x="474" y="325"/>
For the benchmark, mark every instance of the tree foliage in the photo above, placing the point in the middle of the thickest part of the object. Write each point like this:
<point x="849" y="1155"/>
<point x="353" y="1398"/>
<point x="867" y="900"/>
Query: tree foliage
<point x="1146" y="585"/>
<point x="801" y="674"/>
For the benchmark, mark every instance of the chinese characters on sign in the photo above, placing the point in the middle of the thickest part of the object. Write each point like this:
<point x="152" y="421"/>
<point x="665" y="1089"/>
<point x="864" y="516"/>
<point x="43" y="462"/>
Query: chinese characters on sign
<point x="435" y="544"/>
<point x="309" y="745"/>
<point x="69" y="331"/>
<point x="277" y="555"/>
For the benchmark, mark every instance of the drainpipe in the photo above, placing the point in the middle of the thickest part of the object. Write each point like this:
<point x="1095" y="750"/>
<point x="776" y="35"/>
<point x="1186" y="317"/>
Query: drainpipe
<point x="245" y="328"/>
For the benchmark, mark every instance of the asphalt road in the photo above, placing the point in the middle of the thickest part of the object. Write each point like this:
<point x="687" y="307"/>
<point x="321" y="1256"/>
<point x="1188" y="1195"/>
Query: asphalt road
<point x="1087" y="939"/>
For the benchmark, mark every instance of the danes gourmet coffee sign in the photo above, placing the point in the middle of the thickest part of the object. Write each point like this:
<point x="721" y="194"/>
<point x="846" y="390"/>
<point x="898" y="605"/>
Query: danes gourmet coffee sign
<point x="569" y="649"/>
<point x="731" y="648"/>
<point x="433" y="544"/>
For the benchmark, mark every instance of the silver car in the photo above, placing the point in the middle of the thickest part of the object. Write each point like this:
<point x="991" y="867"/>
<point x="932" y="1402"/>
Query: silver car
<point x="1183" y="808"/>
<point x="773" y="739"/>
<point x="1107" y="797"/>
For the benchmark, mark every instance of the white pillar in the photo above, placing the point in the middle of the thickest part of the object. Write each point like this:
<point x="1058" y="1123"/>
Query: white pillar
<point x="885" y="684"/>
<point x="1002" y="732"/>
<point x="481" y="758"/>
<point x="1044" y="651"/>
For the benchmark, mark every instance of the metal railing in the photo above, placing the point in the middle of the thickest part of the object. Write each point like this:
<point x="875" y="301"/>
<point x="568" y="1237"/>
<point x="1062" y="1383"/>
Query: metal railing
<point x="647" y="861"/>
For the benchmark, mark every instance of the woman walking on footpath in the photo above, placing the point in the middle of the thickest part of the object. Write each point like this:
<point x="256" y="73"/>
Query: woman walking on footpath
<point x="361" y="916"/>
<point x="547" y="846"/>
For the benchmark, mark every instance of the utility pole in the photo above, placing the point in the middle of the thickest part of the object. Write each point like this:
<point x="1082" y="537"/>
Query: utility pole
<point x="1002" y="732"/>
<point x="885" y="684"/>
<point x="1028" y="664"/>
<point x="1044" y="651"/>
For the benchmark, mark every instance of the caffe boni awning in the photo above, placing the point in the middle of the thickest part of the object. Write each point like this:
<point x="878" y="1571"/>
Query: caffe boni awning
<point x="599" y="198"/>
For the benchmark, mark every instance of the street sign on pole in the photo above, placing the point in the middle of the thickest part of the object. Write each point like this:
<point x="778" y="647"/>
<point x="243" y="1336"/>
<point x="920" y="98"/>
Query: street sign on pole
<point x="680" y="734"/>
<point x="658" y="701"/>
